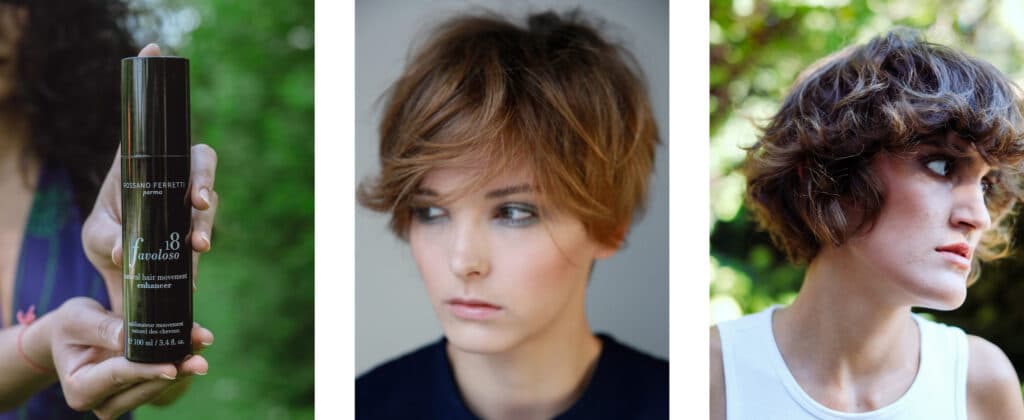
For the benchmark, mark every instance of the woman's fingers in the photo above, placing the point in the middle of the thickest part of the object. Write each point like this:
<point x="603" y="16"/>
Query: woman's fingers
<point x="201" y="337"/>
<point x="86" y="322"/>
<point x="202" y="223"/>
<point x="150" y="50"/>
<point x="193" y="365"/>
<point x="204" y="200"/>
<point x="145" y="392"/>
<point x="92" y="384"/>
<point x="204" y="197"/>
<point x="204" y="171"/>
<point x="101" y="232"/>
<point x="130" y="398"/>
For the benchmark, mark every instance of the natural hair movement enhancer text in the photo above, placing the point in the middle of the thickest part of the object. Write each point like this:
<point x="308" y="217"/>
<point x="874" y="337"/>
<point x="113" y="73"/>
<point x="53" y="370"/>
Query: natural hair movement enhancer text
<point x="156" y="209"/>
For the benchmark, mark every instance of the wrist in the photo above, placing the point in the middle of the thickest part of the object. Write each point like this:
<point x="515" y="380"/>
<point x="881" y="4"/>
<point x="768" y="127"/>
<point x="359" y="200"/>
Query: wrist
<point x="36" y="344"/>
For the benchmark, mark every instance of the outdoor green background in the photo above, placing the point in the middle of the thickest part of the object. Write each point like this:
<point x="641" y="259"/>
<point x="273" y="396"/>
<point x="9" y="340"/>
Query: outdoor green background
<point x="252" y="100"/>
<point x="757" y="49"/>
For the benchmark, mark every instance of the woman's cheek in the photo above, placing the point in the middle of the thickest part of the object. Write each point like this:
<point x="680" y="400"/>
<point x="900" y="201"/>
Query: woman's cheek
<point x="430" y="259"/>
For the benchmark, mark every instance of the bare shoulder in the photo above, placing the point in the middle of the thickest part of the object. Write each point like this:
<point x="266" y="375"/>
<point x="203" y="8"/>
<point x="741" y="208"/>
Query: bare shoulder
<point x="993" y="390"/>
<point x="717" y="377"/>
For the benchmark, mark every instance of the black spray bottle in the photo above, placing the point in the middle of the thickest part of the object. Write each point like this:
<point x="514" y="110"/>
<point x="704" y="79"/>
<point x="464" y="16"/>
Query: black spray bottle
<point x="156" y="211"/>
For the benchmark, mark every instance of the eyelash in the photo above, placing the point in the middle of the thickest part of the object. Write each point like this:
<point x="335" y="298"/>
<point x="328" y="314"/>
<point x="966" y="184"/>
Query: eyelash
<point x="422" y="214"/>
<point x="504" y="214"/>
<point x="987" y="183"/>
<point x="505" y="211"/>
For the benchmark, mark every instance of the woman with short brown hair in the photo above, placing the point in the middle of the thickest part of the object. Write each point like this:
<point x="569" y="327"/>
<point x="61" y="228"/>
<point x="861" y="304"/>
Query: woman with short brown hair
<point x="513" y="157"/>
<point x="891" y="170"/>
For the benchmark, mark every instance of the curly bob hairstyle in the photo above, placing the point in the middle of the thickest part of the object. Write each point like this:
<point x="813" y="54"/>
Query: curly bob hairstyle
<point x="809" y="183"/>
<point x="553" y="97"/>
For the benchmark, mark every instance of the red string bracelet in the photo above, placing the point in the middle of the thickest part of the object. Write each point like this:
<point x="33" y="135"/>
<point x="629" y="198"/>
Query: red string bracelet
<point x="25" y="319"/>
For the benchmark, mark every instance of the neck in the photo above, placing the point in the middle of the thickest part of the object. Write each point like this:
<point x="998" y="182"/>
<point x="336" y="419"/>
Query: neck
<point x="14" y="143"/>
<point x="843" y="335"/>
<point x="18" y="167"/>
<point x="538" y="378"/>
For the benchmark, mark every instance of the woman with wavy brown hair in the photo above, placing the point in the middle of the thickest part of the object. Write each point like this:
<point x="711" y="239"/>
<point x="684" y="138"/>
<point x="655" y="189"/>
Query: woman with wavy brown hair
<point x="512" y="158"/>
<point x="61" y="343"/>
<point x="891" y="170"/>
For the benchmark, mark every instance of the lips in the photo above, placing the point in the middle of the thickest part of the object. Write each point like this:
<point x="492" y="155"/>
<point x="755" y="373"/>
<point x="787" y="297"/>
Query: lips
<point x="958" y="254"/>
<point x="959" y="248"/>
<point x="473" y="309"/>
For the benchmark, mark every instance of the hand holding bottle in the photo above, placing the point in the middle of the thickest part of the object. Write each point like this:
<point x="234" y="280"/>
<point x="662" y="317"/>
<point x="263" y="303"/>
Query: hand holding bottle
<point x="101" y="232"/>
<point x="85" y="342"/>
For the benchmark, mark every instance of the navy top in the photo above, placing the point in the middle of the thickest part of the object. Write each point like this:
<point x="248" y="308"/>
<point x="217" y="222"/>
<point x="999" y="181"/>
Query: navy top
<point x="52" y="268"/>
<point x="625" y="384"/>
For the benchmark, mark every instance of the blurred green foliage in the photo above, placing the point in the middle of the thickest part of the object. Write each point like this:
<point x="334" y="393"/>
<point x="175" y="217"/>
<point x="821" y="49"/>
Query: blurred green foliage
<point x="252" y="100"/>
<point x="757" y="49"/>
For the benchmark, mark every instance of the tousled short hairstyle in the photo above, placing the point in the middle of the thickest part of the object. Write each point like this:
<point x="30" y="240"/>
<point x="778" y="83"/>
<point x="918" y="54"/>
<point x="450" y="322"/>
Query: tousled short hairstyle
<point x="808" y="178"/>
<point x="553" y="97"/>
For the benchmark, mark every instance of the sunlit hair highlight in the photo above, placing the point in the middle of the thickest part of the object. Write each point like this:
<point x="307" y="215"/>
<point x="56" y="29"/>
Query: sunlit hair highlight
<point x="809" y="183"/>
<point x="553" y="98"/>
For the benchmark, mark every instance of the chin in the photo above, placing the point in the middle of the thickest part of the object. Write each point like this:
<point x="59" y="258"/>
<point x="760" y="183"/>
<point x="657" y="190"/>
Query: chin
<point x="947" y="298"/>
<point x="951" y="303"/>
<point x="478" y="339"/>
<point x="940" y="290"/>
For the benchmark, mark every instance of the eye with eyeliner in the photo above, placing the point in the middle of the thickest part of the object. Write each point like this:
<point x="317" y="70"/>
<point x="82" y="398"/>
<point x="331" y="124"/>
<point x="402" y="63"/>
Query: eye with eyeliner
<point x="516" y="214"/>
<point x="940" y="164"/>
<point x="427" y="214"/>
<point x="987" y="184"/>
<point x="943" y="165"/>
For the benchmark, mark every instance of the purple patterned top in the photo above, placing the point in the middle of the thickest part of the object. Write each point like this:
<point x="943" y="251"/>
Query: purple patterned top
<point x="53" y="268"/>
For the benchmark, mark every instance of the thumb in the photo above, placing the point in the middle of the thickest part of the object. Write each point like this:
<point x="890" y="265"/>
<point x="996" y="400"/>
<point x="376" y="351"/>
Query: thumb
<point x="116" y="254"/>
<point x="101" y="230"/>
<point x="101" y="238"/>
<point x="150" y="50"/>
<point x="90" y="324"/>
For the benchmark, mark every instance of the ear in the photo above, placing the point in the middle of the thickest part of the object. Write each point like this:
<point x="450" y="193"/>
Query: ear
<point x="605" y="251"/>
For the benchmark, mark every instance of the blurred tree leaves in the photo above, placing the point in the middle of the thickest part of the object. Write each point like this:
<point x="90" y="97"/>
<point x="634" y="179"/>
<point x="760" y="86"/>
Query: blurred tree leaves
<point x="757" y="49"/>
<point x="252" y="100"/>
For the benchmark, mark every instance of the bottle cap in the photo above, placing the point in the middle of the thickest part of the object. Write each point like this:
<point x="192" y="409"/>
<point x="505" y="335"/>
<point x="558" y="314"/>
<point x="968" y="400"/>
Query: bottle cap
<point x="155" y="106"/>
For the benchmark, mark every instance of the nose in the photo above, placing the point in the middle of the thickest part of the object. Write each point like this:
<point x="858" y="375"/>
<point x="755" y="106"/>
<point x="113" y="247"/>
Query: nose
<point x="970" y="210"/>
<point x="469" y="256"/>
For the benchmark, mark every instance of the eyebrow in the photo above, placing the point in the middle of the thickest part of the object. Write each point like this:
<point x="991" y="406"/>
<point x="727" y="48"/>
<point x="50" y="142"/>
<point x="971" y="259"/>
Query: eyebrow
<point x="958" y="146"/>
<point x="961" y="152"/>
<point x="498" y="193"/>
<point x="515" y="189"/>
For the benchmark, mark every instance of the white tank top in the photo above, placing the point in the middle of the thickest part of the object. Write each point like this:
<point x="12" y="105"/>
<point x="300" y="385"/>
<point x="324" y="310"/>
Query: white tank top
<point x="758" y="385"/>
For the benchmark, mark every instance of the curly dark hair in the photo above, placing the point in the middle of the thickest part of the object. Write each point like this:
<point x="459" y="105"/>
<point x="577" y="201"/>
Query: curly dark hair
<point x="68" y="85"/>
<point x="808" y="174"/>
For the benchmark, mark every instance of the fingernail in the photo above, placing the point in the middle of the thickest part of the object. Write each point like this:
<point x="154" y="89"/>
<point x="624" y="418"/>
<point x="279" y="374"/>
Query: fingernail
<point x="202" y="373"/>
<point x="204" y="193"/>
<point x="205" y="238"/>
<point x="166" y="376"/>
<point x="115" y="257"/>
<point x="117" y="335"/>
<point x="206" y="343"/>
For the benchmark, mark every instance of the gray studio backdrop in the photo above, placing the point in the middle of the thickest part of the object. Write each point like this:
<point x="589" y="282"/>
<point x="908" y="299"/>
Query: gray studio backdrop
<point x="628" y="296"/>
